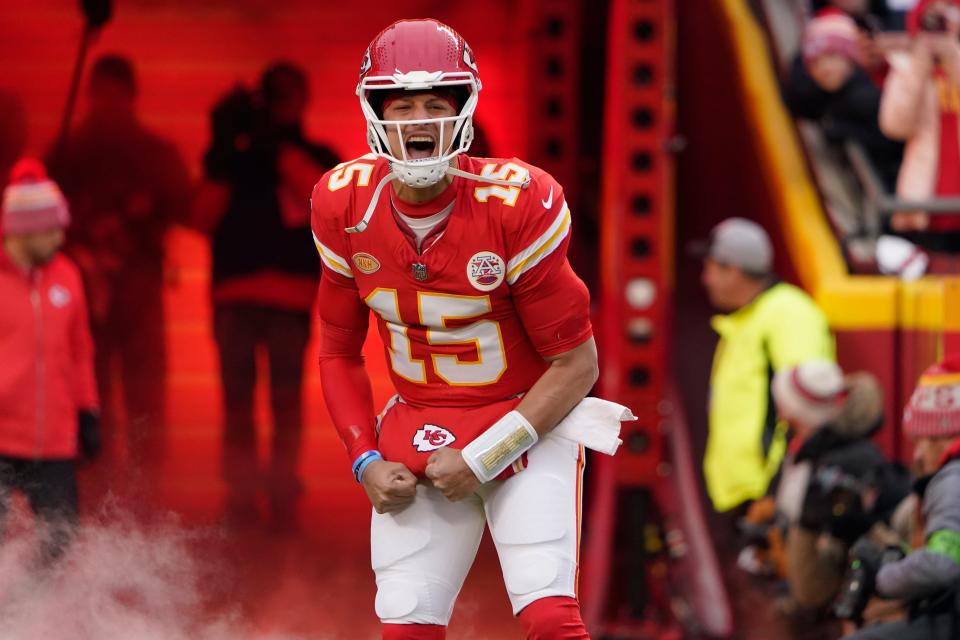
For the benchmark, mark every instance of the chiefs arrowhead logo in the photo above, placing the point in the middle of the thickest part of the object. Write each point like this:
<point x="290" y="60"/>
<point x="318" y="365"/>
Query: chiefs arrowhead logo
<point x="59" y="296"/>
<point x="366" y="63"/>
<point x="468" y="58"/>
<point x="431" y="437"/>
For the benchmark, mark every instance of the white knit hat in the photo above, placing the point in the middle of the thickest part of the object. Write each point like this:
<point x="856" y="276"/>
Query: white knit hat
<point x="811" y="392"/>
<point x="32" y="201"/>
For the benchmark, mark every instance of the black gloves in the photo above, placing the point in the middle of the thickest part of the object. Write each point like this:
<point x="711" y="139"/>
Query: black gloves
<point x="88" y="434"/>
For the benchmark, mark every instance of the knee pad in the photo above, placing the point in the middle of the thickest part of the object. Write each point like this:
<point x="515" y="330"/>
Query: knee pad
<point x="395" y="600"/>
<point x="419" y="562"/>
<point x="414" y="632"/>
<point x="537" y="546"/>
<point x="556" y="618"/>
<point x="400" y="537"/>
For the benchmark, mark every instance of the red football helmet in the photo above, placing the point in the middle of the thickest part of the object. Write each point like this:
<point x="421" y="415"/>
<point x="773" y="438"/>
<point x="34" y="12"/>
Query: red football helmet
<point x="415" y="55"/>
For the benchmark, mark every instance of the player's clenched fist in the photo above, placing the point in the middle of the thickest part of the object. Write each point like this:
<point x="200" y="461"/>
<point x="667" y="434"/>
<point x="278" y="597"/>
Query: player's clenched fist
<point x="450" y="474"/>
<point x="389" y="485"/>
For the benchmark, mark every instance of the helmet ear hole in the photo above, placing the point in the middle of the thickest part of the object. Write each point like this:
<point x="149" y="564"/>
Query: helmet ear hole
<point x="465" y="136"/>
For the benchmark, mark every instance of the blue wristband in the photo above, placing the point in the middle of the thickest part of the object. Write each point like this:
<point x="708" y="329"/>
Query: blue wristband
<point x="363" y="461"/>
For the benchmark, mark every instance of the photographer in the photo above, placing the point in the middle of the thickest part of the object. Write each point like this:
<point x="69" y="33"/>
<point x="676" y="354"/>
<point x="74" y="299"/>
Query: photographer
<point x="126" y="185"/>
<point x="260" y="170"/>
<point x="920" y="105"/>
<point x="928" y="577"/>
<point x="836" y="484"/>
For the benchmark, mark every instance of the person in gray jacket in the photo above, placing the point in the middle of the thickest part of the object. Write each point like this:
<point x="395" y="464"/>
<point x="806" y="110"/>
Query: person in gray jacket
<point x="928" y="578"/>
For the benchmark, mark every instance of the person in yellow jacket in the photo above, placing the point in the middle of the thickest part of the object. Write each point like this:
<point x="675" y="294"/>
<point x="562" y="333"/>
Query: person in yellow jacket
<point x="768" y="325"/>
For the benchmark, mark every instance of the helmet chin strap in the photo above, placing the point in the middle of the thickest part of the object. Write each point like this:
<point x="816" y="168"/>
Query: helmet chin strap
<point x="361" y="226"/>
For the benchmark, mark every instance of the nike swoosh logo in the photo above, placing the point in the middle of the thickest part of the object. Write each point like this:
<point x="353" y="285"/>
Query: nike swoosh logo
<point x="549" y="201"/>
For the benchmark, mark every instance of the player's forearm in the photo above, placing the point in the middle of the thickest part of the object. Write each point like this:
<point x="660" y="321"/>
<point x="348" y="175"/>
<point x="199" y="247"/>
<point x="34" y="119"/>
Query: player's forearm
<point x="349" y="399"/>
<point x="561" y="387"/>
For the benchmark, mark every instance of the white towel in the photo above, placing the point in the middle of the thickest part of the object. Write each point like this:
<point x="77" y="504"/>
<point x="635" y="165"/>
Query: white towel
<point x="595" y="424"/>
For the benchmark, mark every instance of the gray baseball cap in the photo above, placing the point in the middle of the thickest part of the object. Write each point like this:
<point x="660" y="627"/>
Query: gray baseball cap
<point x="741" y="243"/>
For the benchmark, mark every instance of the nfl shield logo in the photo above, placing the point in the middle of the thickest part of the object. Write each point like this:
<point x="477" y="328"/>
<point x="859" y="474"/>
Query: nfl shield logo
<point x="419" y="271"/>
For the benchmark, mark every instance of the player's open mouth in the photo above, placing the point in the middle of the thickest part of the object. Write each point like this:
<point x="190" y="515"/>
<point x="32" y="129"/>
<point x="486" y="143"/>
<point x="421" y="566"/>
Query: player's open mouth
<point x="420" y="146"/>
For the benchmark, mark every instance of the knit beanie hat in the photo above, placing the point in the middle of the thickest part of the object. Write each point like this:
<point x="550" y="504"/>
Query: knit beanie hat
<point x="812" y="392"/>
<point x="32" y="201"/>
<point x="832" y="33"/>
<point x="934" y="407"/>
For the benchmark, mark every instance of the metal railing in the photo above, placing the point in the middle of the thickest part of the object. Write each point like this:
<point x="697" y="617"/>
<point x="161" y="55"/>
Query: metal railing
<point x="879" y="203"/>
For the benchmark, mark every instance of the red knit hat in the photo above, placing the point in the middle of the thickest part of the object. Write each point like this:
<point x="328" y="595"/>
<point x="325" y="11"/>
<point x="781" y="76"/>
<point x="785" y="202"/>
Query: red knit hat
<point x="32" y="201"/>
<point x="832" y="33"/>
<point x="934" y="407"/>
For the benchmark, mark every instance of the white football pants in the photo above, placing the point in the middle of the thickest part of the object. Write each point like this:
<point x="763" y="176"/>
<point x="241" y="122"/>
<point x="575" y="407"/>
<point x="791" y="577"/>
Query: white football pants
<point x="422" y="554"/>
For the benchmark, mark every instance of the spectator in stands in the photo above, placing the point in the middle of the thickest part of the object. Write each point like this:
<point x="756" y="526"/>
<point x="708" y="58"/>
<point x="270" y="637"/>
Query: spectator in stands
<point x="126" y="186"/>
<point x="260" y="172"/>
<point x="920" y="104"/>
<point x="835" y="484"/>
<point x="828" y="83"/>
<point x="768" y="325"/>
<point x="929" y="577"/>
<point x="48" y="395"/>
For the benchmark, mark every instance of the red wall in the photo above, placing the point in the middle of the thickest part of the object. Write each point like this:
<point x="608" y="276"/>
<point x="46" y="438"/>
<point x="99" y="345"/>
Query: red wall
<point x="189" y="51"/>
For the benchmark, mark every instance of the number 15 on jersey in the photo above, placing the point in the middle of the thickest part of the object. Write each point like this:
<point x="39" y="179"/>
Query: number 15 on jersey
<point x="436" y="310"/>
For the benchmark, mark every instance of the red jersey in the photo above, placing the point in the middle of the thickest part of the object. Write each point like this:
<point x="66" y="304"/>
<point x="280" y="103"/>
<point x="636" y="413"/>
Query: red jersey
<point x="47" y="354"/>
<point x="467" y="319"/>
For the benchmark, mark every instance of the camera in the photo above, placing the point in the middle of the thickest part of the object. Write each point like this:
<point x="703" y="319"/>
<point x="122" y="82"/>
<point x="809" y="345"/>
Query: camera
<point x="933" y="22"/>
<point x="238" y="123"/>
<point x="834" y="503"/>
<point x="855" y="592"/>
<point x="238" y="117"/>
<point x="866" y="560"/>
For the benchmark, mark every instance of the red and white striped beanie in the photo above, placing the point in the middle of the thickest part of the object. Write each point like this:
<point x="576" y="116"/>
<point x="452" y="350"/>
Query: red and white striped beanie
<point x="32" y="201"/>
<point x="812" y="392"/>
<point x="832" y="33"/>
<point x="934" y="407"/>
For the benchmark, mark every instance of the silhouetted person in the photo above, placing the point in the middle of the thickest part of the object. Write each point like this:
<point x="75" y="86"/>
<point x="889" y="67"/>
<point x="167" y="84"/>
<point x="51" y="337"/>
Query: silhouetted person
<point x="260" y="171"/>
<point x="126" y="185"/>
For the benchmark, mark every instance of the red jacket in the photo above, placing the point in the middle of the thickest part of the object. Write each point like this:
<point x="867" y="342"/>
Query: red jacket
<point x="46" y="359"/>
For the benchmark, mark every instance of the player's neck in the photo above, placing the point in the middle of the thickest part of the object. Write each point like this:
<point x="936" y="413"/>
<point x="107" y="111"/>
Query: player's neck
<point x="409" y="194"/>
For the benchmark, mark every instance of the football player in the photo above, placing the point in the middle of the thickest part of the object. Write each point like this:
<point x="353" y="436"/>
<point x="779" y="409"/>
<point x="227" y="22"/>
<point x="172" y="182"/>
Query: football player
<point x="487" y="334"/>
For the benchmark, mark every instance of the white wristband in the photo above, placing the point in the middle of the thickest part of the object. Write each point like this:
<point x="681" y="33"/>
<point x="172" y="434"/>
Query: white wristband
<point x="496" y="448"/>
